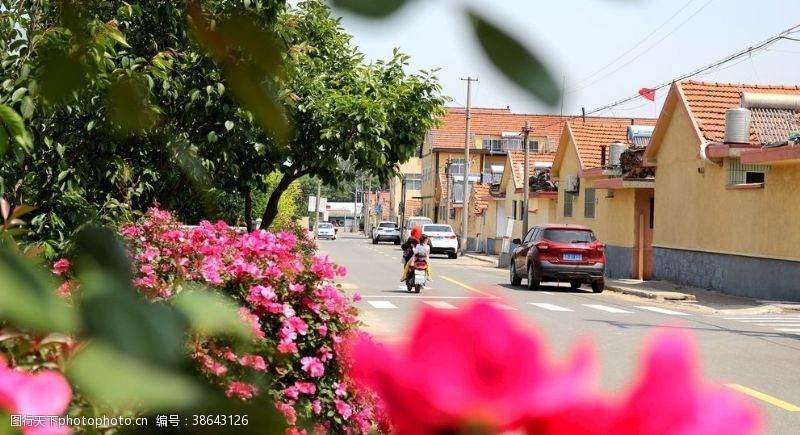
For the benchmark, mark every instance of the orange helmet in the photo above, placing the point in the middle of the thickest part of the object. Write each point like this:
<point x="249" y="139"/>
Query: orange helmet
<point x="416" y="232"/>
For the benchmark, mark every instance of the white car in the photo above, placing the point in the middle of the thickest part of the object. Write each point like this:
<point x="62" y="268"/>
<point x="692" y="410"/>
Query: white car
<point x="443" y="239"/>
<point x="386" y="230"/>
<point x="325" y="230"/>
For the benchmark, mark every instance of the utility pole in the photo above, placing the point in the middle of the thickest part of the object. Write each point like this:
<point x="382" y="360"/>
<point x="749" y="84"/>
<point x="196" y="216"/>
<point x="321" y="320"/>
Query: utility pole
<point x="402" y="205"/>
<point x="355" y="207"/>
<point x="464" y="211"/>
<point x="526" y="131"/>
<point x="448" y="176"/>
<point x="316" y="207"/>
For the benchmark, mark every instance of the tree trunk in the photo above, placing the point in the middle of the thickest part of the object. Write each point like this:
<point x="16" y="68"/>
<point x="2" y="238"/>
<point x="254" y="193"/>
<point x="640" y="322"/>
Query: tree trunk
<point x="271" y="211"/>
<point x="248" y="208"/>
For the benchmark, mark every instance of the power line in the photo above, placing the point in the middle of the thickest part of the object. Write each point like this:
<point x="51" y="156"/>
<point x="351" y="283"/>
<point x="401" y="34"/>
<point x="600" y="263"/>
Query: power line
<point x="641" y="41"/>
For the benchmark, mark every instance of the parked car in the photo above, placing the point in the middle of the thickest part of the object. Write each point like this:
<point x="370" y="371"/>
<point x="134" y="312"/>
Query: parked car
<point x="411" y="223"/>
<point x="559" y="252"/>
<point x="443" y="239"/>
<point x="325" y="230"/>
<point x="386" y="230"/>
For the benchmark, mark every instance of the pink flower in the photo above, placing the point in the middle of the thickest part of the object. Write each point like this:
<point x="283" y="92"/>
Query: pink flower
<point x="252" y="320"/>
<point x="146" y="269"/>
<point x="287" y="347"/>
<point x="341" y="271"/>
<point x="288" y="411"/>
<point x="242" y="390"/>
<point x="130" y="231"/>
<point x="340" y="389"/>
<point x="291" y="392"/>
<point x="322" y="330"/>
<point x="61" y="266"/>
<point x="297" y="288"/>
<point x="343" y="409"/>
<point x="316" y="406"/>
<point x="297" y="324"/>
<point x="213" y="366"/>
<point x="305" y="387"/>
<point x="41" y="393"/>
<point x="472" y="367"/>
<point x="356" y="297"/>
<point x="66" y="288"/>
<point x="254" y="361"/>
<point x="313" y="366"/>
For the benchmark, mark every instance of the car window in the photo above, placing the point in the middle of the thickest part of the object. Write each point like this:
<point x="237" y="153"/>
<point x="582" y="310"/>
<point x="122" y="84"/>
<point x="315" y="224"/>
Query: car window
<point x="325" y="225"/>
<point x="437" y="229"/>
<point x="388" y="225"/>
<point x="529" y="236"/>
<point x="569" y="236"/>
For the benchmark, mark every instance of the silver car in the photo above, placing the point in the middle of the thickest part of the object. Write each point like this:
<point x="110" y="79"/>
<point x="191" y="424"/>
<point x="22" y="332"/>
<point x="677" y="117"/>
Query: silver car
<point x="325" y="230"/>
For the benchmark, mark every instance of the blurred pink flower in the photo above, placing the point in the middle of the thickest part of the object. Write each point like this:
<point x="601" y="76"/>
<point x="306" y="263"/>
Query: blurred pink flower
<point x="316" y="406"/>
<point x="61" y="266"/>
<point x="291" y="392"/>
<point x="254" y="361"/>
<point x="472" y="367"/>
<point x="242" y="390"/>
<point x="288" y="411"/>
<point x="322" y="330"/>
<point x="313" y="366"/>
<point x="287" y="347"/>
<point x="42" y="393"/>
<point x="356" y="297"/>
<point x="306" y="387"/>
<point x="343" y="409"/>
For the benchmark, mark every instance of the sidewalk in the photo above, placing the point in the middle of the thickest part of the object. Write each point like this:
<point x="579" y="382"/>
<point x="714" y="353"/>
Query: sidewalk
<point x="663" y="291"/>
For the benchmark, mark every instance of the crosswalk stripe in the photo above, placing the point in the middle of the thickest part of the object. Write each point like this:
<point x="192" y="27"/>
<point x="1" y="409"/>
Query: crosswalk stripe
<point x="788" y="330"/>
<point x="382" y="304"/>
<point x="662" y="311"/>
<point x="550" y="307"/>
<point x="500" y="306"/>
<point x="607" y="309"/>
<point x="764" y="319"/>
<point x="547" y="293"/>
<point x="440" y="305"/>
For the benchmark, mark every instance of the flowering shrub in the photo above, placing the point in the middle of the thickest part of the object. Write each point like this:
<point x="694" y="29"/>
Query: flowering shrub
<point x="299" y="317"/>
<point x="45" y="393"/>
<point x="478" y="372"/>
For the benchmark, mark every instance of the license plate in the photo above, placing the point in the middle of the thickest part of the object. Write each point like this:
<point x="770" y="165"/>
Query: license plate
<point x="573" y="257"/>
<point x="439" y="238"/>
<point x="419" y="277"/>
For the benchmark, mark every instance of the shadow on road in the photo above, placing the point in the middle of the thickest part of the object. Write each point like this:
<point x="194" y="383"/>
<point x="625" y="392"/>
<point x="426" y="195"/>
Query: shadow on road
<point x="554" y="288"/>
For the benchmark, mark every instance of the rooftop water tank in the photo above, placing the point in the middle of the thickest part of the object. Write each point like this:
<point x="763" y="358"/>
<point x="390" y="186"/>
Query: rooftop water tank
<point x="737" y="125"/>
<point x="617" y="148"/>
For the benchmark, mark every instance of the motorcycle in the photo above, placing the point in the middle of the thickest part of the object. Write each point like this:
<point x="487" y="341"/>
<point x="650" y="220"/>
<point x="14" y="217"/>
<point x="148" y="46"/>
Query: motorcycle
<point x="417" y="274"/>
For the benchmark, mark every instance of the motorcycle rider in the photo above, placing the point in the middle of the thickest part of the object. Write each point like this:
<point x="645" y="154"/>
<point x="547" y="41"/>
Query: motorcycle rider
<point x="408" y="249"/>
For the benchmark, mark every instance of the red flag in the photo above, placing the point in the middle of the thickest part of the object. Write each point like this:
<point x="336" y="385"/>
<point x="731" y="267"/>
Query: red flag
<point x="648" y="93"/>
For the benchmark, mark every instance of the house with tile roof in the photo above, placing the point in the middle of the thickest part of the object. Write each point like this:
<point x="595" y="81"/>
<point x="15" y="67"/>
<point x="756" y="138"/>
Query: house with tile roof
<point x="407" y="184"/>
<point x="726" y="208"/>
<point x="495" y="132"/>
<point x="594" y="191"/>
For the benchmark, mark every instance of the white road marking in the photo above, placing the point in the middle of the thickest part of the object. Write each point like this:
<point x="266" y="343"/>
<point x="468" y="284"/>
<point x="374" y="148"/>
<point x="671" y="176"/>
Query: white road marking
<point x="439" y="305"/>
<point x="662" y="311"/>
<point x="550" y="307"/>
<point x="797" y="331"/>
<point x="607" y="309"/>
<point x="546" y="293"/>
<point x="788" y="325"/>
<point x="765" y="319"/>
<point x="382" y="304"/>
<point x="415" y="296"/>
<point x="505" y="307"/>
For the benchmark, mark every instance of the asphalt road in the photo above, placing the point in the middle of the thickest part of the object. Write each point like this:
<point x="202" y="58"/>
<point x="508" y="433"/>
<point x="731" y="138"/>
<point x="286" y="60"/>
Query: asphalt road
<point x="758" y="355"/>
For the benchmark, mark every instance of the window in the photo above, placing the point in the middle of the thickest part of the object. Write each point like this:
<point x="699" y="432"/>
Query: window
<point x="588" y="204"/>
<point x="490" y="173"/>
<point x="514" y="209"/>
<point x="529" y="236"/>
<point x="533" y="145"/>
<point x="569" y="236"/>
<point x="568" y="197"/>
<point x="521" y="210"/>
<point x="652" y="211"/>
<point x="492" y="144"/>
<point x="739" y="173"/>
<point x="457" y="167"/>
<point x="413" y="181"/>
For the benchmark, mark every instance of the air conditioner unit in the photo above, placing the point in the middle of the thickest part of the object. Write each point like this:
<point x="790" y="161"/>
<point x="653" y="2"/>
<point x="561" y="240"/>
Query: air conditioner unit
<point x="572" y="184"/>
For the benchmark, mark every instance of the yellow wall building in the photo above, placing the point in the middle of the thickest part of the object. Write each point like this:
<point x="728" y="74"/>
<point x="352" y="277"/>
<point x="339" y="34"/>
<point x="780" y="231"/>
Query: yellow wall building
<point x="726" y="210"/>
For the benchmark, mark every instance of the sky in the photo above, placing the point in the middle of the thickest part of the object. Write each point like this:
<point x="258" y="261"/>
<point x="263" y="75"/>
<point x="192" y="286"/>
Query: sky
<point x="601" y="50"/>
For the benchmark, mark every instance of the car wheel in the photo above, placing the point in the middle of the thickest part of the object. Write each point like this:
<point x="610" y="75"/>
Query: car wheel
<point x="533" y="283"/>
<point x="598" y="286"/>
<point x="515" y="280"/>
<point x="397" y="242"/>
<point x="417" y="288"/>
<point x="575" y="284"/>
<point x="374" y="241"/>
<point x="452" y="255"/>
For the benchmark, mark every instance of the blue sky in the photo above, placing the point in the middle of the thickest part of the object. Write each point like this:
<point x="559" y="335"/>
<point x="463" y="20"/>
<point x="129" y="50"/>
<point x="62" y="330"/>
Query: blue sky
<point x="605" y="49"/>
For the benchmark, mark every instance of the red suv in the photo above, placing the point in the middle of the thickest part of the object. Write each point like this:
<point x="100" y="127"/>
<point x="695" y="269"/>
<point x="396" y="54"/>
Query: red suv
<point x="559" y="252"/>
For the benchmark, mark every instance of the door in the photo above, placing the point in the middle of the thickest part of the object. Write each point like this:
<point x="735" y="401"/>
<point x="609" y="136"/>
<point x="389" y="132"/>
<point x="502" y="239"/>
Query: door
<point x="642" y="264"/>
<point x="521" y="257"/>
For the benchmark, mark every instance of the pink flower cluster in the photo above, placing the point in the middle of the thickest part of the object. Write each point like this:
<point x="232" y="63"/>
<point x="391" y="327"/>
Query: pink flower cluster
<point x="43" y="393"/>
<point x="478" y="371"/>
<point x="288" y="300"/>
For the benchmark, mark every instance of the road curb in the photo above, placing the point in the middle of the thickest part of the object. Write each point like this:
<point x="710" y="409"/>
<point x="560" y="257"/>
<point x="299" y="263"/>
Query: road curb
<point x="649" y="294"/>
<point x="480" y="258"/>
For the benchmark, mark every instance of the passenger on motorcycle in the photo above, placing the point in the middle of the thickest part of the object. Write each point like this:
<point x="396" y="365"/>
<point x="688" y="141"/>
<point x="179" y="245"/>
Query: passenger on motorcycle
<point x="421" y="250"/>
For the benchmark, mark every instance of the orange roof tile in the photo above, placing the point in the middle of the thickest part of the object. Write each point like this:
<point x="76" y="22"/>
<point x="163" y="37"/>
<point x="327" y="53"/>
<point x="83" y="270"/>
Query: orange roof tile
<point x="518" y="163"/>
<point x="413" y="207"/>
<point x="708" y="102"/>
<point x="483" y="121"/>
<point x="480" y="197"/>
<point x="589" y="135"/>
